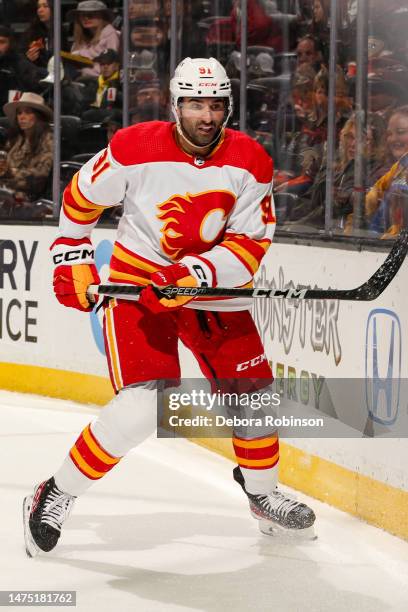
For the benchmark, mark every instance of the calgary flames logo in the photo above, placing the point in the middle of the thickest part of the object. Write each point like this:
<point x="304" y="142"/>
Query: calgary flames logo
<point x="195" y="222"/>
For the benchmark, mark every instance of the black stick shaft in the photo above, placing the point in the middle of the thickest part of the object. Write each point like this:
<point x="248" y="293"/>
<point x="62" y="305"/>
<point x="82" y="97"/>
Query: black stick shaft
<point x="368" y="291"/>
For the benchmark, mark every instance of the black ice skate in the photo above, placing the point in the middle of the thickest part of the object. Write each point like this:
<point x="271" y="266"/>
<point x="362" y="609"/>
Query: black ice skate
<point x="44" y="512"/>
<point x="277" y="513"/>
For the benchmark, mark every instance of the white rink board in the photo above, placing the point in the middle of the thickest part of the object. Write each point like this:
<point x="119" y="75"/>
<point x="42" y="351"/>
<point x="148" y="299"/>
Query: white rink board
<point x="326" y="339"/>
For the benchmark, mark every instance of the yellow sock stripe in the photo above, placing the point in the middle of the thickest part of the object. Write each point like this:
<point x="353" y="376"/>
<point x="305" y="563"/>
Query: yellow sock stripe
<point x="84" y="465"/>
<point x="97" y="450"/>
<point x="257" y="443"/>
<point x="110" y="332"/>
<point x="257" y="462"/>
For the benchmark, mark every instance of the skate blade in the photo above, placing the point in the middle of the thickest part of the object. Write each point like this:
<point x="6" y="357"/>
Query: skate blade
<point x="282" y="533"/>
<point x="31" y="547"/>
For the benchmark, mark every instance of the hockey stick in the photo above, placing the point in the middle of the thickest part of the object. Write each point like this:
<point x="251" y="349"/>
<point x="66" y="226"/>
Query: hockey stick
<point x="370" y="290"/>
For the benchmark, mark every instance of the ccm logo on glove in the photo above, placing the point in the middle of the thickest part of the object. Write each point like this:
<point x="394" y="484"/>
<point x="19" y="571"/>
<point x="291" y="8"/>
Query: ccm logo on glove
<point x="74" y="271"/>
<point x="75" y="255"/>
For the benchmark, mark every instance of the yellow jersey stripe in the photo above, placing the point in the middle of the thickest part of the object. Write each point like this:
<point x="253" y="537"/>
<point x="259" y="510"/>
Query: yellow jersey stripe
<point x="243" y="253"/>
<point x="81" y="200"/>
<point x="133" y="260"/>
<point x="114" y="275"/>
<point x="112" y="345"/>
<point x="82" y="216"/>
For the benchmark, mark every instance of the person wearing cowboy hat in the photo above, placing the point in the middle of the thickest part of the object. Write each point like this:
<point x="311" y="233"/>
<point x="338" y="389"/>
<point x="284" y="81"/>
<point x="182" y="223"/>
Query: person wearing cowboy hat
<point x="93" y="32"/>
<point x="29" y="147"/>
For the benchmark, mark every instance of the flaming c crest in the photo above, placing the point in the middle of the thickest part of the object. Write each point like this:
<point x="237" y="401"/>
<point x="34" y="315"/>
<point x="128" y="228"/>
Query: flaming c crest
<point x="193" y="223"/>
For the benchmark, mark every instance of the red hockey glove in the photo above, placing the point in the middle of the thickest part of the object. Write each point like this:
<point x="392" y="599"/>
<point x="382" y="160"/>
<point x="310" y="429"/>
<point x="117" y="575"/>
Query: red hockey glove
<point x="74" y="271"/>
<point x="174" y="275"/>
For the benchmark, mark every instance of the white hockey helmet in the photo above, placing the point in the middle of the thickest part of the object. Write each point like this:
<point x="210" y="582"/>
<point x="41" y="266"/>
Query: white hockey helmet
<point x="200" y="78"/>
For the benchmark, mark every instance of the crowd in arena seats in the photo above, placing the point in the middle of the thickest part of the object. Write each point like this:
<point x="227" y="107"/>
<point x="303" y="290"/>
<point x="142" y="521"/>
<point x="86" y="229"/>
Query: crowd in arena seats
<point x="287" y="77"/>
<point x="287" y="94"/>
<point x="91" y="101"/>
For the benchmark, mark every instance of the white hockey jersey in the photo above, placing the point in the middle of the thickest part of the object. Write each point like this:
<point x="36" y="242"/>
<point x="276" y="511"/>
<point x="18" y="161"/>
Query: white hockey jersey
<point x="218" y="209"/>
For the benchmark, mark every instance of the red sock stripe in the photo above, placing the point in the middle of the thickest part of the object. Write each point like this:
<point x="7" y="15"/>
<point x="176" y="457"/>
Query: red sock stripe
<point x="83" y="471"/>
<point x="257" y="453"/>
<point x="90" y="457"/>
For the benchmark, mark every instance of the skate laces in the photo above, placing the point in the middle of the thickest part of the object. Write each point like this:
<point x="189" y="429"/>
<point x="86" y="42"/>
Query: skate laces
<point x="279" y="503"/>
<point x="57" y="507"/>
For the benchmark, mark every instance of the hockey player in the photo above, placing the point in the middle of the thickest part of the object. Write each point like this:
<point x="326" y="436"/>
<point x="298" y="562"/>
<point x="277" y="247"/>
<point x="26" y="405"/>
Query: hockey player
<point x="197" y="211"/>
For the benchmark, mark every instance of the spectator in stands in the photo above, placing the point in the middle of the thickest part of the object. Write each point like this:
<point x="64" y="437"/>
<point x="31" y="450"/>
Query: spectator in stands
<point x="93" y="32"/>
<point x="344" y="179"/>
<point x="113" y="122"/>
<point x="309" y="165"/>
<point x="109" y="92"/>
<point x="386" y="203"/>
<point x="310" y="130"/>
<point x="321" y="26"/>
<point x="30" y="147"/>
<point x="302" y="90"/>
<point x="140" y="9"/>
<point x="318" y="117"/>
<point x="298" y="136"/>
<point x="142" y="66"/>
<point x="308" y="52"/>
<point x="17" y="74"/>
<point x="390" y="18"/>
<point x="149" y="95"/>
<point x="151" y="34"/>
<point x="72" y="95"/>
<point x="38" y="39"/>
<point x="263" y="30"/>
<point x="384" y="95"/>
<point x="374" y="155"/>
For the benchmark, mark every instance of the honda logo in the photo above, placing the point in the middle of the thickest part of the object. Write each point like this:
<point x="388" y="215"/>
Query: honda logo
<point x="383" y="365"/>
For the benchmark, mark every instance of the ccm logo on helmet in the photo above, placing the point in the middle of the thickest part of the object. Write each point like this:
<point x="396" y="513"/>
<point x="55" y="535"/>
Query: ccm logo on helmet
<point x="251" y="363"/>
<point x="75" y="255"/>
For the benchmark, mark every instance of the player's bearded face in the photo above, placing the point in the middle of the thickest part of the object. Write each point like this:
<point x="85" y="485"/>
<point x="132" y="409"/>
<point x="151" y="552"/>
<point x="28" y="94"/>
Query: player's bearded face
<point x="201" y="118"/>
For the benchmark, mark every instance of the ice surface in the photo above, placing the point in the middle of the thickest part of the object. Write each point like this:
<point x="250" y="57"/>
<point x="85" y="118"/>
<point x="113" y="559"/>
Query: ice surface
<point x="168" y="530"/>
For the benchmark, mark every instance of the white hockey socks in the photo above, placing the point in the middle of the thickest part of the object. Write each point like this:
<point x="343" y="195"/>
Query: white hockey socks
<point x="260" y="482"/>
<point x="123" y="424"/>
